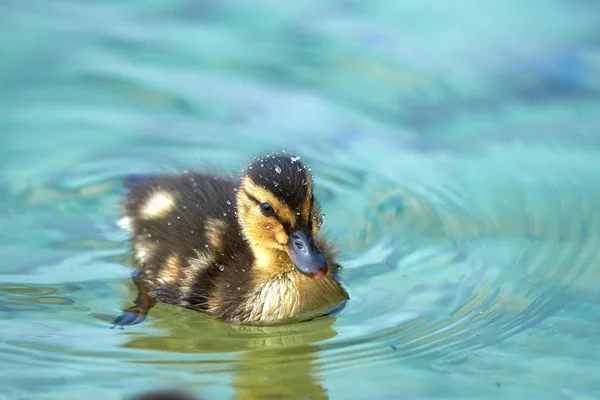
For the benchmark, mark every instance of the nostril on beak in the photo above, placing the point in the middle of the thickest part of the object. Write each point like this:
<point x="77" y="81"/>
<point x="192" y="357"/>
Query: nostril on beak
<point x="306" y="256"/>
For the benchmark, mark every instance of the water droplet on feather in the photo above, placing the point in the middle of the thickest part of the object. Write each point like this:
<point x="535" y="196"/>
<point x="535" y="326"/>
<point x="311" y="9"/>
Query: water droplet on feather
<point x="320" y="219"/>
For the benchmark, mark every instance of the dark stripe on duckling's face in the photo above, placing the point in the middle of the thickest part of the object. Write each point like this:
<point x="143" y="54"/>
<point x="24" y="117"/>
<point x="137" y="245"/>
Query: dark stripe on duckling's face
<point x="265" y="233"/>
<point x="268" y="223"/>
<point x="258" y="195"/>
<point x="286" y="225"/>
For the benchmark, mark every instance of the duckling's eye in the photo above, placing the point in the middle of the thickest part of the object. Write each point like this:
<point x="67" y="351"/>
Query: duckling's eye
<point x="267" y="210"/>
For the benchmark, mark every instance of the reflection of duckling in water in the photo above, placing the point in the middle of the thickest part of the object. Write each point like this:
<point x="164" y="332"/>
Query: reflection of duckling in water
<point x="164" y="395"/>
<point x="245" y="251"/>
<point x="278" y="362"/>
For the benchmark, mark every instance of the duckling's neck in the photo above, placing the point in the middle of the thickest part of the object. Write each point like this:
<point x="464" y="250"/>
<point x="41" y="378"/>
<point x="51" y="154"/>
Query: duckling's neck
<point x="292" y="297"/>
<point x="282" y="293"/>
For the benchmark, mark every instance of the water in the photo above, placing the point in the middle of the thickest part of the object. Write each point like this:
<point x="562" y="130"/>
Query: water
<point x="456" y="153"/>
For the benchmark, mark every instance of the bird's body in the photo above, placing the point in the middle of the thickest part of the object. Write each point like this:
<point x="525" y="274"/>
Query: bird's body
<point x="246" y="251"/>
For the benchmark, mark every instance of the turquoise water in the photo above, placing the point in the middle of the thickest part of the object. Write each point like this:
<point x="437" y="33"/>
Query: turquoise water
<point x="456" y="149"/>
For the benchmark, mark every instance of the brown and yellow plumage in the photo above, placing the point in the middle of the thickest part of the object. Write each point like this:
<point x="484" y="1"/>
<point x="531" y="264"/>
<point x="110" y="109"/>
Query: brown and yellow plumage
<point x="247" y="251"/>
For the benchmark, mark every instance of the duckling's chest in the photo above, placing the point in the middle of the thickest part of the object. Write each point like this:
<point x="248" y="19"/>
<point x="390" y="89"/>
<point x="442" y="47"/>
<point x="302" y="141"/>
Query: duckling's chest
<point x="293" y="298"/>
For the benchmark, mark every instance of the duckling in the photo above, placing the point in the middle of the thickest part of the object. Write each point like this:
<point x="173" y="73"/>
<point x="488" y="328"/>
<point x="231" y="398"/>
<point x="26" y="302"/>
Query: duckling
<point x="247" y="250"/>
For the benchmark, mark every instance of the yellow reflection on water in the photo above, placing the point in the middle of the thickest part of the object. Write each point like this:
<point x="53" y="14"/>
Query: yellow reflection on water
<point x="265" y="362"/>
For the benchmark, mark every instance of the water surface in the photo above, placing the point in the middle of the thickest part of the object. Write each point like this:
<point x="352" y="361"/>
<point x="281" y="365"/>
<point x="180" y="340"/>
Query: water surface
<point x="456" y="152"/>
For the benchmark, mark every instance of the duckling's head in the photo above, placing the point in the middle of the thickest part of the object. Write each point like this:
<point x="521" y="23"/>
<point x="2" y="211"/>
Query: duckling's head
<point x="279" y="215"/>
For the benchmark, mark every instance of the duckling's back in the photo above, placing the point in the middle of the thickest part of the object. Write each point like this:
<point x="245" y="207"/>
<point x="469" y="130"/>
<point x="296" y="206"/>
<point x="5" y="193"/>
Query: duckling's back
<point x="183" y="229"/>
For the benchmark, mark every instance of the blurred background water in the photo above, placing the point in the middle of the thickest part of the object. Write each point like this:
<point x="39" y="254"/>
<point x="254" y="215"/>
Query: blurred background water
<point x="456" y="149"/>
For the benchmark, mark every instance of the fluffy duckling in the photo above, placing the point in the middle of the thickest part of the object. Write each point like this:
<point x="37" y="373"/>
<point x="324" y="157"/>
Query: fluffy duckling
<point x="246" y="251"/>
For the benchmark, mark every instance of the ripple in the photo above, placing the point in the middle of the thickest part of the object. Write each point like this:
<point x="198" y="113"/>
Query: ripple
<point x="493" y="279"/>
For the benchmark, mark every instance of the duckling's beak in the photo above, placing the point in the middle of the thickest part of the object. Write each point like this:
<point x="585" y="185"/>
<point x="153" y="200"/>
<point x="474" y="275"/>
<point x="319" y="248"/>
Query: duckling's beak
<point x="306" y="255"/>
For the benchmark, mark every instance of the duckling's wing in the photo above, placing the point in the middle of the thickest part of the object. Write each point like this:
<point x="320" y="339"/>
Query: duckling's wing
<point x="175" y="210"/>
<point x="181" y="226"/>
